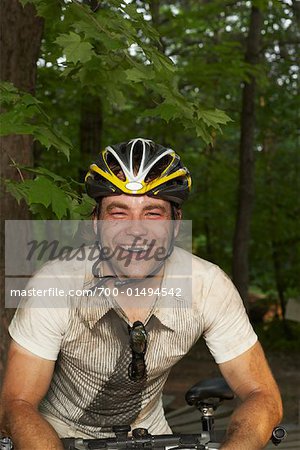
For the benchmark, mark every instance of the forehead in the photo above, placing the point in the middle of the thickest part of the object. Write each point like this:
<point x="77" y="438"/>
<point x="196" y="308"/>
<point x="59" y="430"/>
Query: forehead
<point x="135" y="202"/>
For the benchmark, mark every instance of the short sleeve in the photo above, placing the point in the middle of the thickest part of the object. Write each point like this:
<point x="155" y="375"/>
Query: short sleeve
<point x="227" y="329"/>
<point x="40" y="322"/>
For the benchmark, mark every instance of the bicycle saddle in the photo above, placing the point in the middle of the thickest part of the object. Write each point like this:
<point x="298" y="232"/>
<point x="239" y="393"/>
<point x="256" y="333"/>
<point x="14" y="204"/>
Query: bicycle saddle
<point x="207" y="389"/>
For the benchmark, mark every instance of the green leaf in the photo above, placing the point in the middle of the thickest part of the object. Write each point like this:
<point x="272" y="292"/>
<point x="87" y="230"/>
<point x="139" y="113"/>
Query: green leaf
<point x="29" y="100"/>
<point x="60" y="203"/>
<point x="8" y="127"/>
<point x="165" y="110"/>
<point x="213" y="117"/>
<point x="47" y="193"/>
<point x="74" y="48"/>
<point x="43" y="171"/>
<point x="24" y="115"/>
<point x="18" y="190"/>
<point x="9" y="93"/>
<point x="90" y="30"/>
<point x="41" y="191"/>
<point x="137" y="75"/>
<point x="85" y="207"/>
<point x="50" y="137"/>
<point x="40" y="211"/>
<point x="202" y="132"/>
<point x="132" y="12"/>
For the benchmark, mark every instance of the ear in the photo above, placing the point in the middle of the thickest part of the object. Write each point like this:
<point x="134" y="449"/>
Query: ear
<point x="179" y="214"/>
<point x="178" y="218"/>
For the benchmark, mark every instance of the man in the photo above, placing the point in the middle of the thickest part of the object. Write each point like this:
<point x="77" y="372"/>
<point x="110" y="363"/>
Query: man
<point x="102" y="360"/>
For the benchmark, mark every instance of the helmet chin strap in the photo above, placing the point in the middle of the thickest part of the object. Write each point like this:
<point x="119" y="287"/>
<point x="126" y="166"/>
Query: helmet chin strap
<point x="121" y="282"/>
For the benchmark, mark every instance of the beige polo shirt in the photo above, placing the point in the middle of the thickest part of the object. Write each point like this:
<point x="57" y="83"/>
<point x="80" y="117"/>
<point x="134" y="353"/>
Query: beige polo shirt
<point x="89" y="339"/>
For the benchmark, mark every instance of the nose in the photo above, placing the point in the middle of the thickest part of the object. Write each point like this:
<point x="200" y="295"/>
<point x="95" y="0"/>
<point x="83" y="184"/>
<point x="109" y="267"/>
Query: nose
<point x="137" y="228"/>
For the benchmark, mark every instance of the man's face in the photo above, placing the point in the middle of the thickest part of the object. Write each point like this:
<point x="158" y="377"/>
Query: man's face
<point x="138" y="231"/>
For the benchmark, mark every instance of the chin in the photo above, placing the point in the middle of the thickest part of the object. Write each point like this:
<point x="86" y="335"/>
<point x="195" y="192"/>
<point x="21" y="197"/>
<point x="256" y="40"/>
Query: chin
<point x="136" y="270"/>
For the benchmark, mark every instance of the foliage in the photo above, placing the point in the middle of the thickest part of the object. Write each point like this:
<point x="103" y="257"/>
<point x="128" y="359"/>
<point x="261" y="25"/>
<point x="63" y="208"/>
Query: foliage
<point x="116" y="47"/>
<point x="274" y="336"/>
<point x="51" y="196"/>
<point x="168" y="77"/>
<point x="25" y="115"/>
<point x="113" y="51"/>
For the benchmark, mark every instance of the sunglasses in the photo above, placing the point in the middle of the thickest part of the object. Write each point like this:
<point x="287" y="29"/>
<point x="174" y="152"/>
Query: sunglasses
<point x="138" y="345"/>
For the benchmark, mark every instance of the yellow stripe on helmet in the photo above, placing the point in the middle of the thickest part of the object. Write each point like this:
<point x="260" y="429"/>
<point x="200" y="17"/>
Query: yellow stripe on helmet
<point x="179" y="173"/>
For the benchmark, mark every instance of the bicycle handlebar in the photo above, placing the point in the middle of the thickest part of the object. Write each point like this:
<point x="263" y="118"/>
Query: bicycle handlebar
<point x="196" y="441"/>
<point x="141" y="440"/>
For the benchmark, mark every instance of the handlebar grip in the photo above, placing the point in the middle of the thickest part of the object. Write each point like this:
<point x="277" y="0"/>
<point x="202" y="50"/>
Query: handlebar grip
<point x="6" y="443"/>
<point x="278" y="435"/>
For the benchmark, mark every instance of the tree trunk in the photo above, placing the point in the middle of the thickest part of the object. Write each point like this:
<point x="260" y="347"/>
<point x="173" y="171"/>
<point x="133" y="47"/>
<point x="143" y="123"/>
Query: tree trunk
<point x="154" y="10"/>
<point x="296" y="10"/>
<point x="240" y="268"/>
<point x="21" y="33"/>
<point x="91" y="119"/>
<point x="91" y="125"/>
<point x="277" y="262"/>
<point x="280" y="285"/>
<point x="154" y="6"/>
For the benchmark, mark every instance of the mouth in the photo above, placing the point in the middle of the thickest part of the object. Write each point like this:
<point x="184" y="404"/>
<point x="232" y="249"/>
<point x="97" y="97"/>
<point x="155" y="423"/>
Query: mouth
<point x="135" y="249"/>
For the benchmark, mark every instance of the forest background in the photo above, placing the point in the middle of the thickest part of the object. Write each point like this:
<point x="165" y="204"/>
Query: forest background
<point x="215" y="80"/>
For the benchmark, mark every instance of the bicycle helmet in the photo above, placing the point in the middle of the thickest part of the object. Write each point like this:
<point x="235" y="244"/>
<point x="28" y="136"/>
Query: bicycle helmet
<point x="139" y="167"/>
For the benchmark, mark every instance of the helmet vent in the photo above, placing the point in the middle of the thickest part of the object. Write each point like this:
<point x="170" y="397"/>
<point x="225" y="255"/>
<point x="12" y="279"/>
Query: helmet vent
<point x="137" y="159"/>
<point x="157" y="169"/>
<point x="115" y="166"/>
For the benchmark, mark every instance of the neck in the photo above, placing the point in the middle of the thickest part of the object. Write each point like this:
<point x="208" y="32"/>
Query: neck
<point x="135" y="298"/>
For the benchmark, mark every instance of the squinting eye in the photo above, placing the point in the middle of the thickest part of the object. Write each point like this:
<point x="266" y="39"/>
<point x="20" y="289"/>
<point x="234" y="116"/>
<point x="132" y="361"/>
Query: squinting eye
<point x="153" y="214"/>
<point x="118" y="214"/>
